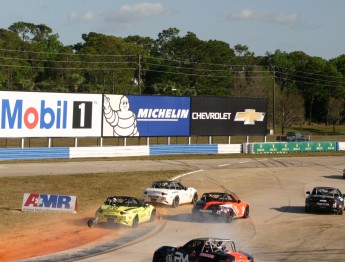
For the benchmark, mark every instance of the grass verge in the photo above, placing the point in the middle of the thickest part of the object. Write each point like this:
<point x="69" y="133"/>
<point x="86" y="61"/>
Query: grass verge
<point x="91" y="190"/>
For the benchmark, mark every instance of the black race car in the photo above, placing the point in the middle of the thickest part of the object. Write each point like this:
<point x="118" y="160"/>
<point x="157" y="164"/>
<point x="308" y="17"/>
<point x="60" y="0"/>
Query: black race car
<point x="325" y="198"/>
<point x="202" y="250"/>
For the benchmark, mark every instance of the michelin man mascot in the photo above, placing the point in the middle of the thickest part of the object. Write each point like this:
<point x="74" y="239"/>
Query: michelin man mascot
<point x="123" y="120"/>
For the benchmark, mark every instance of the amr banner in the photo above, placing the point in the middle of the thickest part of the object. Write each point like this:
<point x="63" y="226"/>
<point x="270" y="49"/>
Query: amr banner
<point x="38" y="114"/>
<point x="47" y="202"/>
<point x="145" y="116"/>
<point x="228" y="116"/>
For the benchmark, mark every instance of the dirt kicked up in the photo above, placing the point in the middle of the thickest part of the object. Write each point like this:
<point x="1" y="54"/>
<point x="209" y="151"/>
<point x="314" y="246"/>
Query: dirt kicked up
<point x="59" y="234"/>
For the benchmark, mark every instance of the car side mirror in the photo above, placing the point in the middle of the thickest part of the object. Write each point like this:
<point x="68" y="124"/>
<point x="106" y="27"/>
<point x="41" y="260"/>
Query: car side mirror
<point x="308" y="192"/>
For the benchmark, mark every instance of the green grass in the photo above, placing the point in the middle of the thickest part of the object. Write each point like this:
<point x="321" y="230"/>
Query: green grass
<point x="91" y="190"/>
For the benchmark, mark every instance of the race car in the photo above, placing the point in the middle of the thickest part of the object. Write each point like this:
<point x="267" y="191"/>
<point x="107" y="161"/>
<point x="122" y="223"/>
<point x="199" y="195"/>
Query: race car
<point x="325" y="198"/>
<point x="124" y="210"/>
<point x="170" y="192"/>
<point x="221" y="205"/>
<point x="202" y="250"/>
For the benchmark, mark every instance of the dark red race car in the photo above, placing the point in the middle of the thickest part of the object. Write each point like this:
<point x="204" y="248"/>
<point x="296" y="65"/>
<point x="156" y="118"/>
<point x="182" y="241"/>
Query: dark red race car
<point x="325" y="198"/>
<point x="221" y="205"/>
<point x="203" y="250"/>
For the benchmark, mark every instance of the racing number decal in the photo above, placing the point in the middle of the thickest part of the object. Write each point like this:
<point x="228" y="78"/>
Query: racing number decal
<point x="82" y="114"/>
<point x="179" y="257"/>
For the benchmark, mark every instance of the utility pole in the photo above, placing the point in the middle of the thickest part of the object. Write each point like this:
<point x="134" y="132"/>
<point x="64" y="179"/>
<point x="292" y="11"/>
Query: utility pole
<point x="274" y="98"/>
<point x="139" y="73"/>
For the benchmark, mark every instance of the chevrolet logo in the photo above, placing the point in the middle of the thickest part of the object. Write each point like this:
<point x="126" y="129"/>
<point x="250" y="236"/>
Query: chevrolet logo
<point x="249" y="116"/>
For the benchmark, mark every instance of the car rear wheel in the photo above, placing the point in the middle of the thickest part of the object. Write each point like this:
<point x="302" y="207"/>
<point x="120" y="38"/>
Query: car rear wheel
<point x="195" y="198"/>
<point x="176" y="202"/>
<point x="229" y="217"/>
<point x="340" y="211"/>
<point x="90" y="223"/>
<point x="153" y="215"/>
<point x="135" y="222"/>
<point x="307" y="209"/>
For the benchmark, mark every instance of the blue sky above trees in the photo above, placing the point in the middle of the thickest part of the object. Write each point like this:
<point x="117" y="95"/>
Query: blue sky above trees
<point x="312" y="26"/>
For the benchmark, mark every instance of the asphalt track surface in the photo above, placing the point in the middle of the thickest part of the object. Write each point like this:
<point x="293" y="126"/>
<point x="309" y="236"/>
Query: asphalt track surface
<point x="278" y="229"/>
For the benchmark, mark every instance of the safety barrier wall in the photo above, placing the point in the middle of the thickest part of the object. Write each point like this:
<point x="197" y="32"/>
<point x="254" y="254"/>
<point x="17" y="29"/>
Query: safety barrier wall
<point x="117" y="151"/>
<point x="293" y="147"/>
<point x="341" y="146"/>
<point x="33" y="153"/>
<point x="154" y="150"/>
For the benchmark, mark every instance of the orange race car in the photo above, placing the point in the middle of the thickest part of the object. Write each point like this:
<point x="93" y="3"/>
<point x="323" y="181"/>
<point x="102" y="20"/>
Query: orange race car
<point x="221" y="205"/>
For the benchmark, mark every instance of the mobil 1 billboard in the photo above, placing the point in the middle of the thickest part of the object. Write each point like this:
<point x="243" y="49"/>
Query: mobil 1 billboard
<point x="145" y="116"/>
<point x="38" y="114"/>
<point x="228" y="116"/>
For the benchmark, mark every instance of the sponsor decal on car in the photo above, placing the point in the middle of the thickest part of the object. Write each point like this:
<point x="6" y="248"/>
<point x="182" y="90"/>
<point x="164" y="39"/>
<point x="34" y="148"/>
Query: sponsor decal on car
<point x="206" y="255"/>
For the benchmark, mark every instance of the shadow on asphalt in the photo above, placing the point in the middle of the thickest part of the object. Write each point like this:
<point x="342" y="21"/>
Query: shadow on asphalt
<point x="301" y="210"/>
<point x="334" y="177"/>
<point x="195" y="218"/>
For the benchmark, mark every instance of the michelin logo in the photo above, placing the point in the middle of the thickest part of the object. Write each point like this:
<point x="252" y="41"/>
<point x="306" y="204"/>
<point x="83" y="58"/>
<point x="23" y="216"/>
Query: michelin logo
<point x="162" y="114"/>
<point x="123" y="120"/>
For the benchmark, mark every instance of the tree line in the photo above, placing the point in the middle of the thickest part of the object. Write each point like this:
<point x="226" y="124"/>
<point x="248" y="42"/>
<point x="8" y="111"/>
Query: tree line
<point x="300" y="88"/>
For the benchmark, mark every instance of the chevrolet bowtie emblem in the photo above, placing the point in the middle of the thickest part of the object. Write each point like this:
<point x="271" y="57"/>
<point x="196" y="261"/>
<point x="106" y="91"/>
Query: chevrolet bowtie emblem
<point x="249" y="116"/>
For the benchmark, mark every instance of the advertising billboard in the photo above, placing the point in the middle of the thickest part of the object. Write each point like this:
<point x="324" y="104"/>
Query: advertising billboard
<point x="145" y="116"/>
<point x="48" y="202"/>
<point x="38" y="114"/>
<point x="228" y="116"/>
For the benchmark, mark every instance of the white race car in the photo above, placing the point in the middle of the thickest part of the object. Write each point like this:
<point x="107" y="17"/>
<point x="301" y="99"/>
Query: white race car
<point x="169" y="192"/>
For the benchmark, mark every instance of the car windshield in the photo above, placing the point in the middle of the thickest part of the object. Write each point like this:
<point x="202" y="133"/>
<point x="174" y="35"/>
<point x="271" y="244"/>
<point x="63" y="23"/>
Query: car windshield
<point x="325" y="191"/>
<point x="168" y="185"/>
<point x="121" y="201"/>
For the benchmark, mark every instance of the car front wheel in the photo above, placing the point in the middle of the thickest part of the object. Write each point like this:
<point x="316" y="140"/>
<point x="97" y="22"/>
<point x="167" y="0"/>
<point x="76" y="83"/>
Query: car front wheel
<point x="160" y="257"/>
<point x="246" y="212"/>
<point x="176" y="202"/>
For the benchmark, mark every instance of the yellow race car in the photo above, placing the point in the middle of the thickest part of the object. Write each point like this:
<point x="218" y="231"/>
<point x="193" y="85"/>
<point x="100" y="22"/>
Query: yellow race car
<point x="125" y="210"/>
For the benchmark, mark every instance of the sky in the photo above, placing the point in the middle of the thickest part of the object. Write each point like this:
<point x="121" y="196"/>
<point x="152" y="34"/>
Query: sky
<point x="315" y="27"/>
